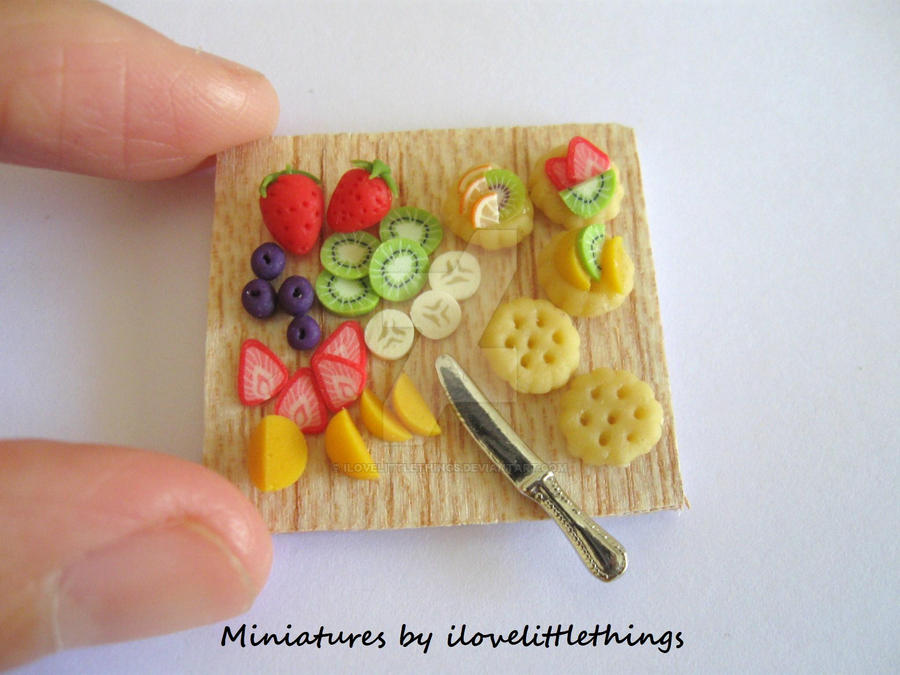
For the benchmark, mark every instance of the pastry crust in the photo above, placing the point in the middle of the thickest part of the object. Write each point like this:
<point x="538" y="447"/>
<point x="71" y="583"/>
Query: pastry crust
<point x="546" y="196"/>
<point x="610" y="417"/>
<point x="532" y="345"/>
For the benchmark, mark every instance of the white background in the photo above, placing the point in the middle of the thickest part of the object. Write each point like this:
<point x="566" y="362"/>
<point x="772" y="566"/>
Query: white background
<point x="769" y="147"/>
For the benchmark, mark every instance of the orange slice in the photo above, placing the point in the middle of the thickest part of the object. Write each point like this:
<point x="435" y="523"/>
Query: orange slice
<point x="470" y="175"/>
<point x="566" y="262"/>
<point x="486" y="212"/>
<point x="476" y="190"/>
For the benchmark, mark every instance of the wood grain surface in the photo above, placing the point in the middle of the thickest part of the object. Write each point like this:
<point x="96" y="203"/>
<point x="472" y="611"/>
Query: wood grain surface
<point x="445" y="480"/>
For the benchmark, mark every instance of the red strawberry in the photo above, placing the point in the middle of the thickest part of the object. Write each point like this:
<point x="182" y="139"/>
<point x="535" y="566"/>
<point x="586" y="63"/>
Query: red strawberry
<point x="292" y="205"/>
<point x="584" y="160"/>
<point x="555" y="168"/>
<point x="362" y="197"/>
<point x="300" y="402"/>
<point x="340" y="382"/>
<point x="346" y="342"/>
<point x="261" y="374"/>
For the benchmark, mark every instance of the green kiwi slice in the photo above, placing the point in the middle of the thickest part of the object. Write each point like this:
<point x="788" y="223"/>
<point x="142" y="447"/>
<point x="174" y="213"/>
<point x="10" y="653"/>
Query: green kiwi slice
<point x="588" y="197"/>
<point x="399" y="269"/>
<point x="509" y="188"/>
<point x="409" y="222"/>
<point x="347" y="254"/>
<point x="588" y="244"/>
<point x="345" y="297"/>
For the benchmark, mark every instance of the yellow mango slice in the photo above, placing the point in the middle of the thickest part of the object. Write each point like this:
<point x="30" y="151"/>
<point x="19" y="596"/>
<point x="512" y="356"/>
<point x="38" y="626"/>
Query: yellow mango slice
<point x="277" y="453"/>
<point x="380" y="421"/>
<point x="611" y="260"/>
<point x="411" y="408"/>
<point x="346" y="448"/>
<point x="566" y="262"/>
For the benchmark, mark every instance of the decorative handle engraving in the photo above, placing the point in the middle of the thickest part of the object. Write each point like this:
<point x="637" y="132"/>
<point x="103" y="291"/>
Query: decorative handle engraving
<point x="602" y="554"/>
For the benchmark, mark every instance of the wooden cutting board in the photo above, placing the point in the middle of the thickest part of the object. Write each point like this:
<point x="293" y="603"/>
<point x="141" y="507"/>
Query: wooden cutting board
<point x="445" y="480"/>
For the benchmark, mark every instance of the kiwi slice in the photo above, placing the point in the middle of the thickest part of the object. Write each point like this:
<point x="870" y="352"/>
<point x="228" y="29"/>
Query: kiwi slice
<point x="399" y="269"/>
<point x="347" y="254"/>
<point x="346" y="297"/>
<point x="588" y="197"/>
<point x="510" y="190"/>
<point x="588" y="244"/>
<point x="408" y="222"/>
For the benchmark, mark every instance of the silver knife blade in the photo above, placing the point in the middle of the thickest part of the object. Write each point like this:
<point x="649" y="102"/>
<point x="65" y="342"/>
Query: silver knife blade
<point x="601" y="553"/>
<point x="488" y="428"/>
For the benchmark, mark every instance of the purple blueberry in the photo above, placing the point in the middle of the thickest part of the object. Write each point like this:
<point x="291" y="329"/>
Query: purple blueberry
<point x="303" y="332"/>
<point x="296" y="295"/>
<point x="258" y="298"/>
<point x="267" y="261"/>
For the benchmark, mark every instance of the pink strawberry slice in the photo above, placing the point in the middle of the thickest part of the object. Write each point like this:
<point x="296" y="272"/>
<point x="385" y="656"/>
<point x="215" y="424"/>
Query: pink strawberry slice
<point x="339" y="381"/>
<point x="555" y="168"/>
<point x="261" y="374"/>
<point x="584" y="160"/>
<point x="346" y="342"/>
<point x="301" y="402"/>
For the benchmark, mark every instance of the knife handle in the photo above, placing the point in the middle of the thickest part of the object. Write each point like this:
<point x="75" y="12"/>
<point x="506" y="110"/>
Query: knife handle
<point x="601" y="553"/>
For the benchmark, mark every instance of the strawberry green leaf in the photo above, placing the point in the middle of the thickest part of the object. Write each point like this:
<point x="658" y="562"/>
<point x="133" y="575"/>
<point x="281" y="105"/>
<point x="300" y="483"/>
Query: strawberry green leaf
<point x="377" y="169"/>
<point x="272" y="177"/>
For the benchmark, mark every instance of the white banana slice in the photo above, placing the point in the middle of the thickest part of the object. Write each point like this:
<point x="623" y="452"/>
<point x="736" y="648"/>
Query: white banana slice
<point x="455" y="272"/>
<point x="436" y="314"/>
<point x="389" y="334"/>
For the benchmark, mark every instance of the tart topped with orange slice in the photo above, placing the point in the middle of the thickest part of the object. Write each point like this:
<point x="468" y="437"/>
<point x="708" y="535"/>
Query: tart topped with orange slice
<point x="489" y="207"/>
<point x="576" y="185"/>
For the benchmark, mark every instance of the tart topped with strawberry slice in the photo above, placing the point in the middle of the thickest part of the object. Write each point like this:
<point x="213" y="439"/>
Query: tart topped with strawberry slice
<point x="489" y="206"/>
<point x="576" y="185"/>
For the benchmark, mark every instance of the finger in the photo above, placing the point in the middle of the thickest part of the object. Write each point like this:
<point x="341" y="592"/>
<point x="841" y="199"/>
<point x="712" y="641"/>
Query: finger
<point x="84" y="88"/>
<point x="105" y="543"/>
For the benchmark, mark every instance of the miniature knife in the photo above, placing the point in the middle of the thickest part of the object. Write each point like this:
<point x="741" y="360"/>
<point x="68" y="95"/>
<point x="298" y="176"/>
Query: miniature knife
<point x="603" y="555"/>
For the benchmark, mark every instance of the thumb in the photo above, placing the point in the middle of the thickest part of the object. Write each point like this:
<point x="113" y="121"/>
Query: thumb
<point x="85" y="88"/>
<point x="105" y="543"/>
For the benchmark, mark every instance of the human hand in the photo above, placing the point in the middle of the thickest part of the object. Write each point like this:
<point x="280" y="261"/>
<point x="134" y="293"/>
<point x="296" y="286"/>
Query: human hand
<point x="105" y="543"/>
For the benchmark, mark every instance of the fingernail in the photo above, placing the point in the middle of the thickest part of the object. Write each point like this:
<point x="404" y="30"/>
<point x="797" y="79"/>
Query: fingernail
<point x="156" y="581"/>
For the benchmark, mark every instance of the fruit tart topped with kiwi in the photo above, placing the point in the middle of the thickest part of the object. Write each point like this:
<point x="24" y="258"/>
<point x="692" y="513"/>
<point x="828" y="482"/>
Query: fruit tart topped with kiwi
<point x="489" y="206"/>
<point x="576" y="185"/>
<point x="584" y="272"/>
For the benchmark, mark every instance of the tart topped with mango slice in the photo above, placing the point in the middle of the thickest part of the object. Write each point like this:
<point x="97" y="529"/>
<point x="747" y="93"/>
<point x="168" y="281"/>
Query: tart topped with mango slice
<point x="584" y="273"/>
